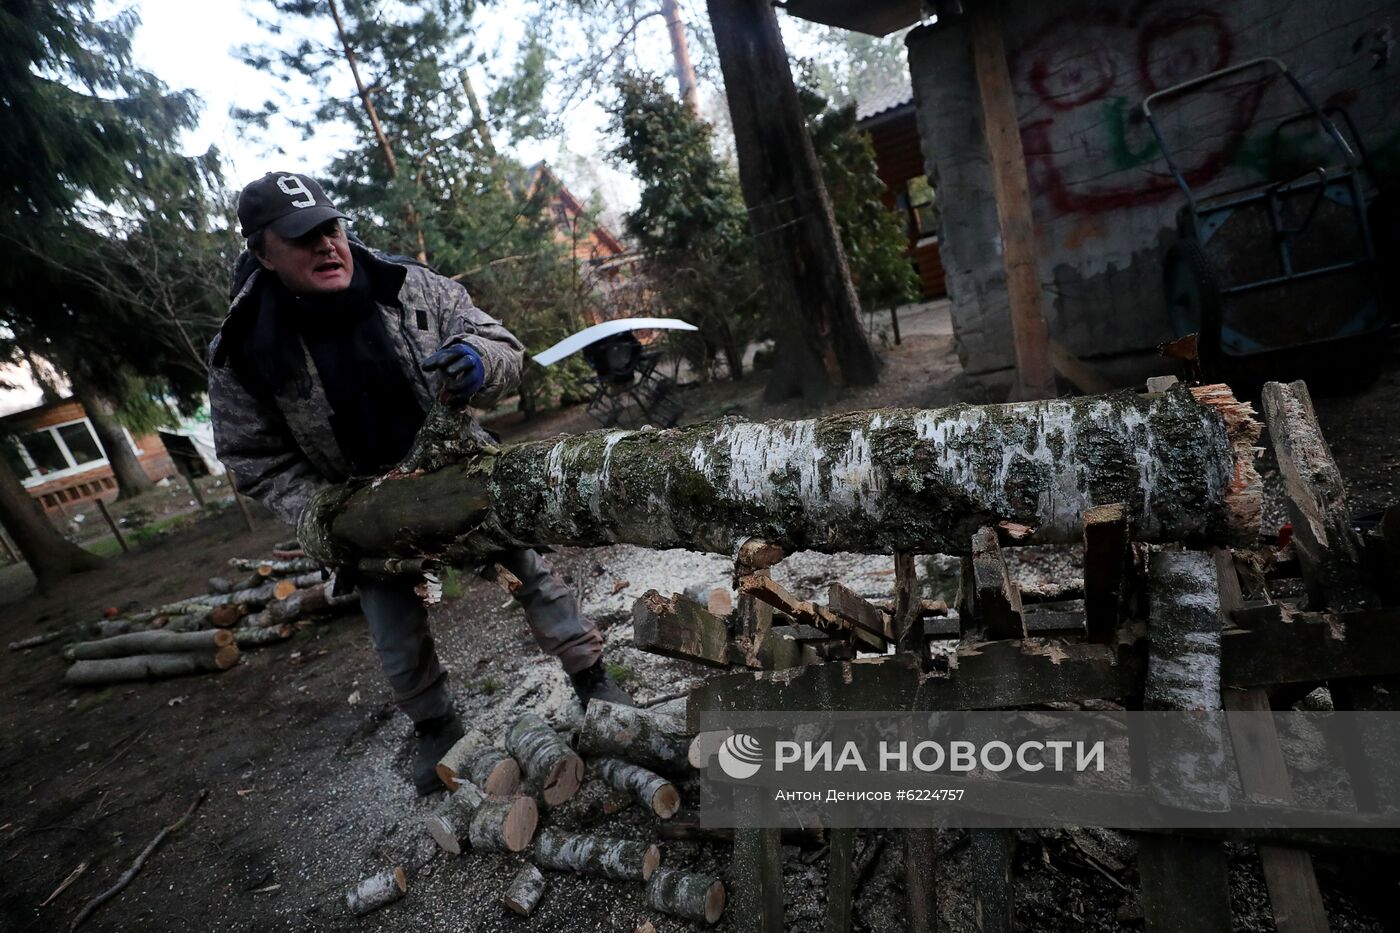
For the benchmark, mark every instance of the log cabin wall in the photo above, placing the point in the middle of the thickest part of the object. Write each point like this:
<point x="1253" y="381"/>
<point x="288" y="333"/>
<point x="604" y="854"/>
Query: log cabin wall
<point x="1104" y="204"/>
<point x="54" y="489"/>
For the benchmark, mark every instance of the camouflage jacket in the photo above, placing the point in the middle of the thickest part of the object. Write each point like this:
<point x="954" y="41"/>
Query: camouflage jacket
<point x="282" y="450"/>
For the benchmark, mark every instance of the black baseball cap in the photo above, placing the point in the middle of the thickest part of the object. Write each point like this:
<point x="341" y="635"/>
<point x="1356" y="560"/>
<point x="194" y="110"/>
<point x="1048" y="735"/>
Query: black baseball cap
<point x="290" y="204"/>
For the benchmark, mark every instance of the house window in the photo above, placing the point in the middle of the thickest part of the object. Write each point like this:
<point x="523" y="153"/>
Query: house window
<point x="64" y="448"/>
<point x="81" y="443"/>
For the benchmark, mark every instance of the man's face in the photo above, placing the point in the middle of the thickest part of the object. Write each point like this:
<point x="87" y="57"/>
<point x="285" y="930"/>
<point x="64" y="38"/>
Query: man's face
<point x="317" y="262"/>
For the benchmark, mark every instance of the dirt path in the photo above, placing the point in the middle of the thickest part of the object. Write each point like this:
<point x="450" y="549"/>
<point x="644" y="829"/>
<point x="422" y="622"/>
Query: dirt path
<point x="305" y="759"/>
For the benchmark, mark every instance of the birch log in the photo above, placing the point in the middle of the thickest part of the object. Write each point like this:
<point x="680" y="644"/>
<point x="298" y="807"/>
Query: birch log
<point x="503" y="824"/>
<point x="653" y="738"/>
<point x="122" y="646"/>
<point x="525" y="890"/>
<point x="698" y="898"/>
<point x="619" y="859"/>
<point x="376" y="891"/>
<point x="474" y="758"/>
<point x="651" y="789"/>
<point x="553" y="771"/>
<point x="878" y="481"/>
<point x="250" y="637"/>
<point x="268" y="568"/>
<point x="450" y="826"/>
<point x="150" y="666"/>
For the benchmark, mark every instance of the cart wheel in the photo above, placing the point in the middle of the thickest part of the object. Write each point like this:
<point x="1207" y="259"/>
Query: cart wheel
<point x="1193" y="301"/>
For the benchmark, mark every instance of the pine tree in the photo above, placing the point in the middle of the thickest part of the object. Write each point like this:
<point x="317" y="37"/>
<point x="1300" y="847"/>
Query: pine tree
<point x="690" y="222"/>
<point x="88" y="156"/>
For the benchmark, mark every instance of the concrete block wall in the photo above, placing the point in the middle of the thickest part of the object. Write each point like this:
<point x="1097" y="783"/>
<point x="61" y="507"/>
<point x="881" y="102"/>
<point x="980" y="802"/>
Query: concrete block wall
<point x="1103" y="201"/>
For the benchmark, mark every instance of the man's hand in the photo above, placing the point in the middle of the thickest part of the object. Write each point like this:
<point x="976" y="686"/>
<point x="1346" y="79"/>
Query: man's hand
<point x="462" y="372"/>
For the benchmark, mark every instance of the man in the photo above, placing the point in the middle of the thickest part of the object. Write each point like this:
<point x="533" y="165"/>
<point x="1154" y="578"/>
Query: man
<point x="324" y="369"/>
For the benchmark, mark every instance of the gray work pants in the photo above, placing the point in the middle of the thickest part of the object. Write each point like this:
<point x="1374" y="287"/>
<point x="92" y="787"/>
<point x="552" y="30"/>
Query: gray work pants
<point x="398" y="626"/>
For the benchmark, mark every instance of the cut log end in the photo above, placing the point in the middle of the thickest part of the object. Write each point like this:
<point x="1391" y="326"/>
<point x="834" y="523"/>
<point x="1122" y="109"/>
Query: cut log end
<point x="666" y="802"/>
<point x="283" y="589"/>
<point x="1244" y="500"/>
<point x="698" y="898"/>
<point x="227" y="656"/>
<point x="504" y="825"/>
<point x="651" y="861"/>
<point x="565" y="778"/>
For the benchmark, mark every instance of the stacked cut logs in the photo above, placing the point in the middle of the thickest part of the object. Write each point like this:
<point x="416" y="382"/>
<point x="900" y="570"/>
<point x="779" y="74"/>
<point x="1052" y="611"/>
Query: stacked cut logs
<point x="265" y="603"/>
<point x="495" y="785"/>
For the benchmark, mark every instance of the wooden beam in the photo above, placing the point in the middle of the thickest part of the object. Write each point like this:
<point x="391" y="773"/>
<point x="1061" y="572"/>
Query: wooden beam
<point x="906" y="604"/>
<point x="991" y="852"/>
<point x="991" y="675"/>
<point x="1271" y="645"/>
<point x="989" y="603"/>
<point x="1185" y="886"/>
<point x="859" y="611"/>
<point x="1329" y="549"/>
<point x="680" y="628"/>
<point x="921" y="880"/>
<point x="1035" y="373"/>
<point x="1105" y="562"/>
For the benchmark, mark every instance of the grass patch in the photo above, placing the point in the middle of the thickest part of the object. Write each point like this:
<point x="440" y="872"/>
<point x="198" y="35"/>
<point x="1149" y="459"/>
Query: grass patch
<point x="491" y="686"/>
<point x="453" y="586"/>
<point x="624" y="675"/>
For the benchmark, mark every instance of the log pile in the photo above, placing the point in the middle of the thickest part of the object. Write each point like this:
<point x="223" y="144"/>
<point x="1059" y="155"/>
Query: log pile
<point x="495" y="784"/>
<point x="264" y="602"/>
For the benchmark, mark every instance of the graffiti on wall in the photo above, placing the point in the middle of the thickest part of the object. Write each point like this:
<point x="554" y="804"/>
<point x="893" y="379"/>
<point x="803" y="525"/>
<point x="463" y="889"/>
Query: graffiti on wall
<point x="1089" y="68"/>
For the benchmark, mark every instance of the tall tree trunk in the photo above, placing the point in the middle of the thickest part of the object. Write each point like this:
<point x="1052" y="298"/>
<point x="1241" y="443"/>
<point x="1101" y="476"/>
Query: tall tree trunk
<point x="126" y="468"/>
<point x="789" y="210"/>
<point x="50" y="555"/>
<point x="873" y="482"/>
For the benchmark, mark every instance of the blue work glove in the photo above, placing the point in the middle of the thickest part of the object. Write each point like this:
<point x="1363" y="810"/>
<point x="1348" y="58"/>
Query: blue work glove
<point x="462" y="372"/>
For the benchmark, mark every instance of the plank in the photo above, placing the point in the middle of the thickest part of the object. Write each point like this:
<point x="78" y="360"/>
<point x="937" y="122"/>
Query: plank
<point x="840" y="880"/>
<point x="1294" y="895"/>
<point x="1105" y="561"/>
<point x="756" y="881"/>
<point x="921" y="879"/>
<point x="1001" y="128"/>
<point x="991" y="852"/>
<point x="1272" y="645"/>
<point x="907" y="606"/>
<point x="1184" y="885"/>
<point x="858" y="611"/>
<point x="1328" y="548"/>
<point x="768" y="591"/>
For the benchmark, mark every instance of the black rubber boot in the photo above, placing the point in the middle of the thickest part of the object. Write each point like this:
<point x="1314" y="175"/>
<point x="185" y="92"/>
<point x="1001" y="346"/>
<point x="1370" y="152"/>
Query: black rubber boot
<point x="595" y="683"/>
<point x="435" y="737"/>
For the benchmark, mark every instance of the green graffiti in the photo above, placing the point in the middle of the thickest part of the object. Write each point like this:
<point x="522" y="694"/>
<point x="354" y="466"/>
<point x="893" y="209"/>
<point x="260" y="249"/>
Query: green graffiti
<point x="1116" y="111"/>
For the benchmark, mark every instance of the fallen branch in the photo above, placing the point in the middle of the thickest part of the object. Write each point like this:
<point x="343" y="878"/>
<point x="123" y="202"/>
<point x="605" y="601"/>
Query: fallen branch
<point x="67" y="882"/>
<point x="131" y="872"/>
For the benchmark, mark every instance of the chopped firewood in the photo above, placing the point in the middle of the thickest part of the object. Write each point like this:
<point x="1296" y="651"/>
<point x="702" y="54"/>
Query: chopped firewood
<point x="619" y="859"/>
<point x="653" y="738"/>
<point x="150" y="666"/>
<point x="475" y="759"/>
<point x="450" y="826"/>
<point x="525" y="890"/>
<point x="283" y="588"/>
<point x="553" y="771"/>
<point x="377" y="891"/>
<point x="645" y="927"/>
<point x="130" y="873"/>
<point x="704" y="746"/>
<point x="698" y="898"/>
<point x="122" y="646"/>
<point x="503" y="824"/>
<point x="651" y="789"/>
<point x="227" y="616"/>
<point x="295" y="605"/>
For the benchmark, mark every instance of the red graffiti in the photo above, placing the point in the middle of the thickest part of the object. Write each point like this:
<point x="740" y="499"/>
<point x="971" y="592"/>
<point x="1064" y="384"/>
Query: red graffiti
<point x="1090" y="68"/>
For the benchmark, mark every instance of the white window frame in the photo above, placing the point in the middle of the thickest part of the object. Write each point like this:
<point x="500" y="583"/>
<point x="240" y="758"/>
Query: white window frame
<point x="74" y="468"/>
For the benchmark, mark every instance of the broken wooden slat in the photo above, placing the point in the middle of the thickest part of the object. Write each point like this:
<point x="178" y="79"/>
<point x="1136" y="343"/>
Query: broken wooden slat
<point x="680" y="628"/>
<point x="1294" y="896"/>
<point x="1105" y="560"/>
<point x="767" y="590"/>
<point x="858" y="611"/>
<point x="1328" y="548"/>
<point x="989" y="603"/>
